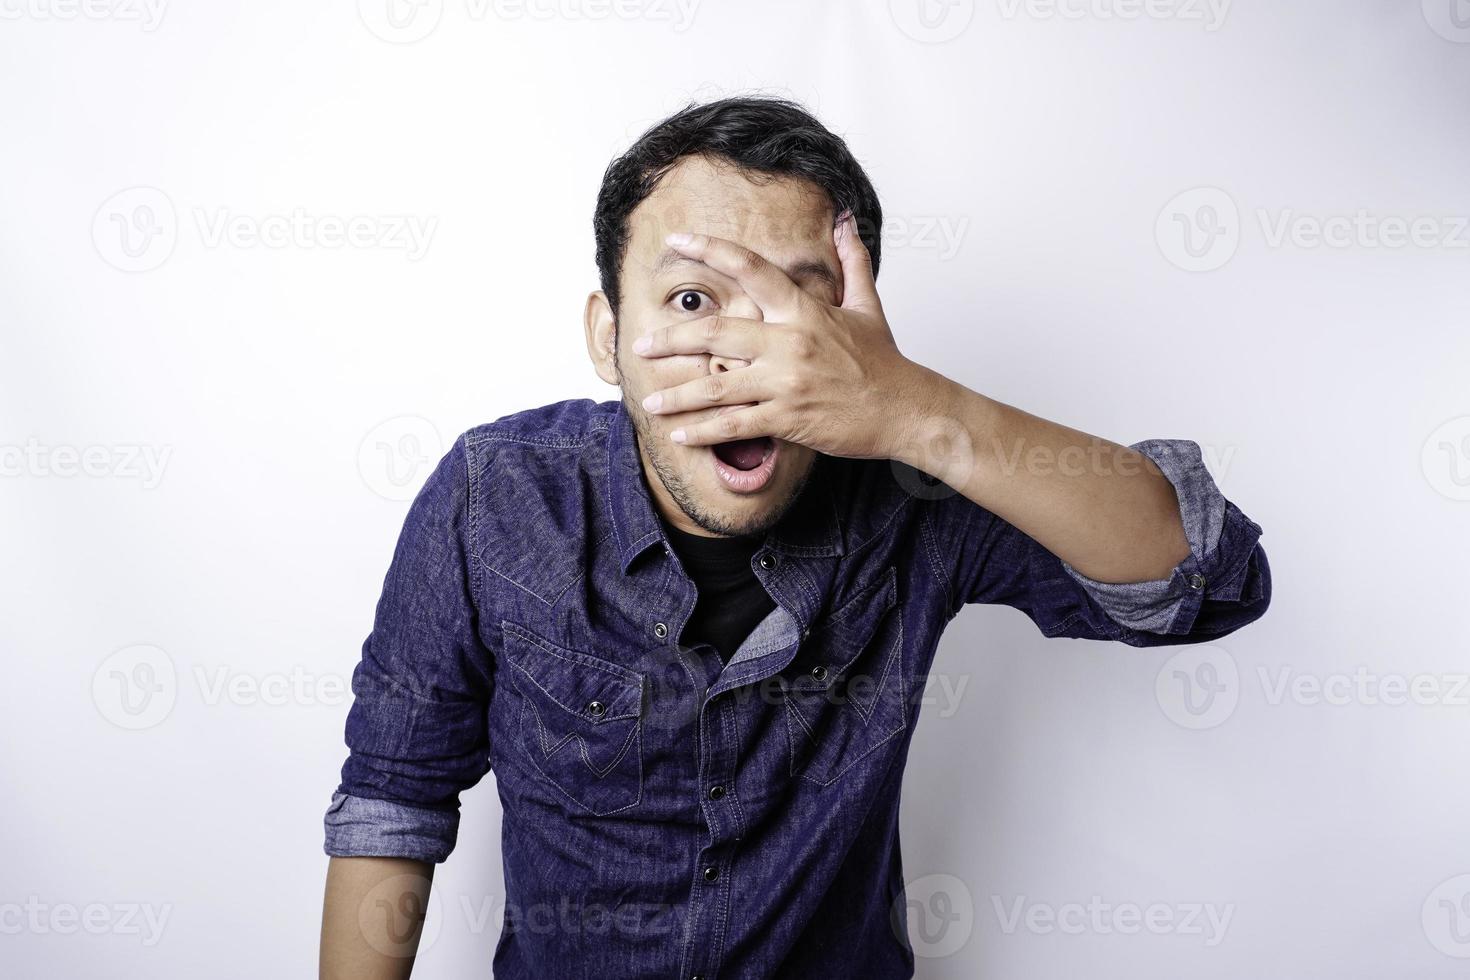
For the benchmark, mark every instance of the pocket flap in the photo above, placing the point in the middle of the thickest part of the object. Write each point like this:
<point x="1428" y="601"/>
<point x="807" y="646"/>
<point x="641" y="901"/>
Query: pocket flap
<point x="844" y="636"/>
<point x="587" y="689"/>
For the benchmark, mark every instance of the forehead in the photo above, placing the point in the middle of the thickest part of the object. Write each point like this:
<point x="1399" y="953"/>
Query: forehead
<point x="782" y="218"/>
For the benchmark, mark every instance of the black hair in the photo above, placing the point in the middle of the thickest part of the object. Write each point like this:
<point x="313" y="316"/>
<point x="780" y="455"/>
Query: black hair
<point x="760" y="136"/>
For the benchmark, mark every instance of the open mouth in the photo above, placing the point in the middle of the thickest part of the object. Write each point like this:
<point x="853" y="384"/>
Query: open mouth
<point x="745" y="465"/>
<point x="744" y="454"/>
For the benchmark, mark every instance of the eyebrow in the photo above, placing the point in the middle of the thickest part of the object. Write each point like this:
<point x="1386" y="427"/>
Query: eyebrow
<point x="802" y="271"/>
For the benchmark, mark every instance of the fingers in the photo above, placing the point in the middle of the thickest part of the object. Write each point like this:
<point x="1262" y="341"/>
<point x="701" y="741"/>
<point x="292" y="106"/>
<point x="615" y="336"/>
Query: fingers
<point x="743" y="423"/>
<point x="859" y="290"/>
<point x="770" y="287"/>
<point x="741" y="386"/>
<point x="722" y="336"/>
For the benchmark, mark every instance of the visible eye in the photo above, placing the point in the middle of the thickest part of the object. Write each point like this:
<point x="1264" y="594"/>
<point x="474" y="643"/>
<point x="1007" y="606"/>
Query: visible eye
<point x="692" y="301"/>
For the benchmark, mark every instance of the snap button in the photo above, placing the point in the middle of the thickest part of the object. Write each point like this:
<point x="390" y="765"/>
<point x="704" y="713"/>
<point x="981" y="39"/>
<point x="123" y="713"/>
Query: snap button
<point x="819" y="672"/>
<point x="597" y="709"/>
<point x="1196" y="581"/>
<point x="711" y="873"/>
<point x="768" y="561"/>
<point x="660" y="630"/>
<point x="716" y="792"/>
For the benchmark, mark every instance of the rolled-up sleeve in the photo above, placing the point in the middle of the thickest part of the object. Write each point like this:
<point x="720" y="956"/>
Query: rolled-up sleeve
<point x="1222" y="545"/>
<point x="1223" y="584"/>
<point x="416" y="732"/>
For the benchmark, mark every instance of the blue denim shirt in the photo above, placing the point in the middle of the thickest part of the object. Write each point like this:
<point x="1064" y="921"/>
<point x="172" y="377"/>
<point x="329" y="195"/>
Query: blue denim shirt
<point x="666" y="814"/>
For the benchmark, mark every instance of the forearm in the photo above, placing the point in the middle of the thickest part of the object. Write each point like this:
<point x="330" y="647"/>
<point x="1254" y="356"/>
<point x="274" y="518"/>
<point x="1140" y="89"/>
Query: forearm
<point x="372" y="914"/>
<point x="1104" y="509"/>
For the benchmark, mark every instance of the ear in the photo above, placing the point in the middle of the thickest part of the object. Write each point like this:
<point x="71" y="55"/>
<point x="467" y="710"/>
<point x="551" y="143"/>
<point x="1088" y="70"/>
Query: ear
<point x="602" y="332"/>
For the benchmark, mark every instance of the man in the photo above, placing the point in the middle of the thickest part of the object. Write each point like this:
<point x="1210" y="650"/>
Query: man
<point x="688" y="629"/>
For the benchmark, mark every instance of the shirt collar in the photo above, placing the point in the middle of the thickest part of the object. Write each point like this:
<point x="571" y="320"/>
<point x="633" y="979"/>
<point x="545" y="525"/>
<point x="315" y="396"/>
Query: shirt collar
<point x="809" y="529"/>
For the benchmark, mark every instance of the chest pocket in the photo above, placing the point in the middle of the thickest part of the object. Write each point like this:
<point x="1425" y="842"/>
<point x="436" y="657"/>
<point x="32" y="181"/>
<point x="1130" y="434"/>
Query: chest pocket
<point x="579" y="721"/>
<point x="844" y="691"/>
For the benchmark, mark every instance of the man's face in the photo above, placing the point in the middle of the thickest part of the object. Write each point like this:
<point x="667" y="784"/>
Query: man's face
<point x="733" y="488"/>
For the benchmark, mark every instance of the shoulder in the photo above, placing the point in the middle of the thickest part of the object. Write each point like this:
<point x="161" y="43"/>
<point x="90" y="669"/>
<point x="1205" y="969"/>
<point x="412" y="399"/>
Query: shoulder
<point x="534" y="481"/>
<point x="569" y="424"/>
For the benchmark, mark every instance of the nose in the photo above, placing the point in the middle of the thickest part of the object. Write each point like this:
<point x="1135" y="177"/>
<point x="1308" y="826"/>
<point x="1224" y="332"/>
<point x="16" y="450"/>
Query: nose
<point x="744" y="307"/>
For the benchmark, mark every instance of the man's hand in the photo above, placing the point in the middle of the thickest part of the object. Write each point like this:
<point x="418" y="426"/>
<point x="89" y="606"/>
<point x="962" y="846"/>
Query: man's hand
<point x="826" y="377"/>
<point x="831" y="378"/>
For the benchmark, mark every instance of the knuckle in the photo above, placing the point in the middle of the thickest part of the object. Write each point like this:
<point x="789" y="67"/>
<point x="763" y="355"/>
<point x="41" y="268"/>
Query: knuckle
<point x="801" y="345"/>
<point x="751" y="262"/>
<point x="714" y="387"/>
<point x="714" y="326"/>
<point x="728" y="425"/>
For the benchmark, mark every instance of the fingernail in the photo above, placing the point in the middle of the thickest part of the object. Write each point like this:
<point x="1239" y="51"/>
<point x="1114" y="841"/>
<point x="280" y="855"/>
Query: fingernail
<point x="678" y="435"/>
<point x="653" y="401"/>
<point x="679" y="238"/>
<point x="643" y="345"/>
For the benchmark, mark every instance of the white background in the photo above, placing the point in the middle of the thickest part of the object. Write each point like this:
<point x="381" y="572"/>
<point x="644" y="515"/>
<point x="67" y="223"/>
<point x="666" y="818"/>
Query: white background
<point x="186" y="780"/>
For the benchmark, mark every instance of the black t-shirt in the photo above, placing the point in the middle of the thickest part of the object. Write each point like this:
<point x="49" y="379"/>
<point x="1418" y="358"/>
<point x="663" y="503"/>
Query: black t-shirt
<point x="732" y="600"/>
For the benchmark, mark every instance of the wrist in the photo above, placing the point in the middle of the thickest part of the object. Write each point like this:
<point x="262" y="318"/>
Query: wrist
<point x="924" y="419"/>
